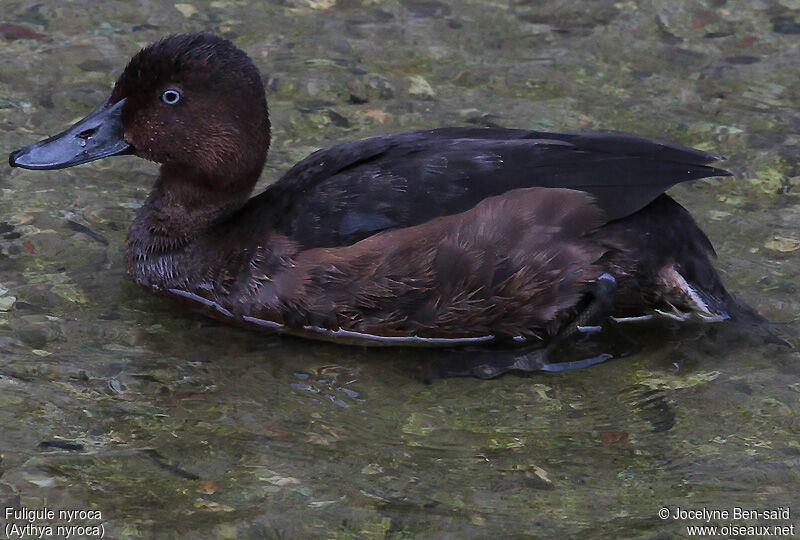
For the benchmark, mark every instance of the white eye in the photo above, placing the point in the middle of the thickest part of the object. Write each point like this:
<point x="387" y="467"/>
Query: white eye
<point x="171" y="97"/>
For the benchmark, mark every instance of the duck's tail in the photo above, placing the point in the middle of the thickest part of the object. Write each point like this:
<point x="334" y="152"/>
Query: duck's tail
<point x="674" y="271"/>
<point x="748" y="318"/>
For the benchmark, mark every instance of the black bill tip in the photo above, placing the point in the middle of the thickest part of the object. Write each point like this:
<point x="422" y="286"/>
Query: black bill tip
<point x="12" y="157"/>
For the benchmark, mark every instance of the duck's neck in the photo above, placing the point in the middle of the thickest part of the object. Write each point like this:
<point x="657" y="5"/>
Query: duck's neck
<point x="179" y="211"/>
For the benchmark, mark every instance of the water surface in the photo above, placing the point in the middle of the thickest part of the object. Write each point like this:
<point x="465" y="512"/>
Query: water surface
<point x="176" y="427"/>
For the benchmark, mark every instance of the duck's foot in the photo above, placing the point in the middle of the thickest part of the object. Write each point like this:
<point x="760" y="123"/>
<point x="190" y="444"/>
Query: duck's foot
<point x="599" y="308"/>
<point x="487" y="363"/>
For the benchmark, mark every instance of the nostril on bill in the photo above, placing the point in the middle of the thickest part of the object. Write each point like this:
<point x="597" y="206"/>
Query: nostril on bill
<point x="87" y="133"/>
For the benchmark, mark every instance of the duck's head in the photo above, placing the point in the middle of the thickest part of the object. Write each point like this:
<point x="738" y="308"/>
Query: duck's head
<point x="194" y="103"/>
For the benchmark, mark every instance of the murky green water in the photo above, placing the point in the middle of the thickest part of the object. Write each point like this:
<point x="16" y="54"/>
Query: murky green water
<point x="175" y="427"/>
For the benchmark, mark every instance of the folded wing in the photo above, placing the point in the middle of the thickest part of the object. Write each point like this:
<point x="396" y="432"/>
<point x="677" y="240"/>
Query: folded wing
<point x="347" y="192"/>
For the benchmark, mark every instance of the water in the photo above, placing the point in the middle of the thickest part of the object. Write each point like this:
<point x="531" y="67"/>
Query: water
<point x="173" y="426"/>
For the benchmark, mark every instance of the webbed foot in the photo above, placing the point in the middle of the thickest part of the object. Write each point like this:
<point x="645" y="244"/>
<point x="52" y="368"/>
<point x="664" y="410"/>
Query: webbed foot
<point x="489" y="363"/>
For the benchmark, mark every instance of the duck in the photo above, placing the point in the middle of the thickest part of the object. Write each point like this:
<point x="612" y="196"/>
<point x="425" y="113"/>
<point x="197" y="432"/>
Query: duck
<point x="450" y="237"/>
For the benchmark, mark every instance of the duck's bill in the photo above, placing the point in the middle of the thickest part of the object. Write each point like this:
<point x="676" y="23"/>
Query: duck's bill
<point x="97" y="136"/>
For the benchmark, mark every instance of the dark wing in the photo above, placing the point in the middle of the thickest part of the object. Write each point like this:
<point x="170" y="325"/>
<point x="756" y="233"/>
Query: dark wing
<point x="344" y="193"/>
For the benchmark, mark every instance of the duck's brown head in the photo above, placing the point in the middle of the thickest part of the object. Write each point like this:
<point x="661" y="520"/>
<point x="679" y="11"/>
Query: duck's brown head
<point x="194" y="103"/>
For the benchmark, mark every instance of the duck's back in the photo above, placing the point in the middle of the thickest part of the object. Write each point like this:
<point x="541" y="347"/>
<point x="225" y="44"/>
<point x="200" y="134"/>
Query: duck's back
<point x="350" y="191"/>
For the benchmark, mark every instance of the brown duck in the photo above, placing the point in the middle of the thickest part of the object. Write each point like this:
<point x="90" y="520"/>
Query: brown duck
<point x="443" y="237"/>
